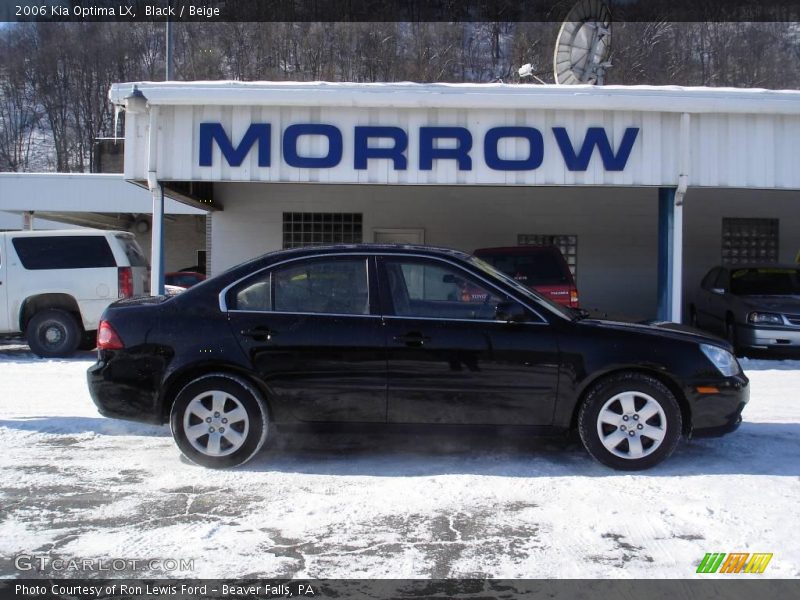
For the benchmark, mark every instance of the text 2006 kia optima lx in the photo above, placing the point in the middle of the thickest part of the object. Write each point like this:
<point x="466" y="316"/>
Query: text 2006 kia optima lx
<point x="385" y="335"/>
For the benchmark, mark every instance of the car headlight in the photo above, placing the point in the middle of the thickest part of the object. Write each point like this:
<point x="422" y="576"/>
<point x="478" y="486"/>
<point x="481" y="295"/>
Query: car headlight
<point x="725" y="362"/>
<point x="765" y="318"/>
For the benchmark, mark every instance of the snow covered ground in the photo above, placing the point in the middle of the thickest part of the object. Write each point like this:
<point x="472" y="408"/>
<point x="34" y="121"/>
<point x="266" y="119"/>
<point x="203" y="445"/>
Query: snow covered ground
<point x="76" y="485"/>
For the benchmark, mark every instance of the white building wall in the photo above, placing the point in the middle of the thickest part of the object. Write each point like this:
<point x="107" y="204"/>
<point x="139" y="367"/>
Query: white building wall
<point x="703" y="214"/>
<point x="616" y="227"/>
<point x="184" y="235"/>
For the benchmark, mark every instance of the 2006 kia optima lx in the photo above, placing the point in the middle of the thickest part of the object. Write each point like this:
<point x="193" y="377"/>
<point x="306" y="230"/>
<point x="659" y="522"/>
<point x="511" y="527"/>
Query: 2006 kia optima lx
<point x="383" y="335"/>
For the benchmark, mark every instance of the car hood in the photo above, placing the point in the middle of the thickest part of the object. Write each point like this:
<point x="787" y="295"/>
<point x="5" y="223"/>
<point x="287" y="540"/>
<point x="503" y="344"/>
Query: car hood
<point x="781" y="304"/>
<point x="660" y="329"/>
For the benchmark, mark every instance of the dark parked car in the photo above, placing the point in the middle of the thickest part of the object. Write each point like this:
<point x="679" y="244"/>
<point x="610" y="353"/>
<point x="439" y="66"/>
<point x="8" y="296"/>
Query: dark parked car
<point x="753" y="306"/>
<point x="541" y="268"/>
<point x="380" y="335"/>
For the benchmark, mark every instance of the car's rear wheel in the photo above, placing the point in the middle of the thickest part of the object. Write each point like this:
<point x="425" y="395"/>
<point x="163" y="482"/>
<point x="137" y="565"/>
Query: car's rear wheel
<point x="219" y="420"/>
<point x="630" y="422"/>
<point x="53" y="333"/>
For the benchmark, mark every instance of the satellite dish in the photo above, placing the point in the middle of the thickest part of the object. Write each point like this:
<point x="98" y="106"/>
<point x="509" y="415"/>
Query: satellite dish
<point x="583" y="44"/>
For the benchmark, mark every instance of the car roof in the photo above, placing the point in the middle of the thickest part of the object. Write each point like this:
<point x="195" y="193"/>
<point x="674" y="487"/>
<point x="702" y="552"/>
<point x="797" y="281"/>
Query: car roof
<point x="761" y="266"/>
<point x="369" y="248"/>
<point x="526" y="249"/>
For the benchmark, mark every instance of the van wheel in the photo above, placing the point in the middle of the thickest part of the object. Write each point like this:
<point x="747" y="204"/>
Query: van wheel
<point x="219" y="421"/>
<point x="53" y="333"/>
<point x="630" y="422"/>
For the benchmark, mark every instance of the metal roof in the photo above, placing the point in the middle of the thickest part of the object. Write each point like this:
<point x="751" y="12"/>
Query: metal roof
<point x="448" y="95"/>
<point x="80" y="192"/>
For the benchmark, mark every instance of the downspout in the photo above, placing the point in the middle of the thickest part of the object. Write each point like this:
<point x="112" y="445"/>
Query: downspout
<point x="677" y="240"/>
<point x="157" y="191"/>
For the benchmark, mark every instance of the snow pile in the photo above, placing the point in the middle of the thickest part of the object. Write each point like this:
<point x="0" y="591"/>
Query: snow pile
<point x="76" y="485"/>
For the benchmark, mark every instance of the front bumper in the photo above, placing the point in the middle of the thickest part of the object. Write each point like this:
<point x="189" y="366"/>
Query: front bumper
<point x="768" y="337"/>
<point x="715" y="414"/>
<point x="122" y="392"/>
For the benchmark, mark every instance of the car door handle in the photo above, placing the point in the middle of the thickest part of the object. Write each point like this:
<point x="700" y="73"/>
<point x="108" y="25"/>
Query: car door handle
<point x="260" y="334"/>
<point x="413" y="339"/>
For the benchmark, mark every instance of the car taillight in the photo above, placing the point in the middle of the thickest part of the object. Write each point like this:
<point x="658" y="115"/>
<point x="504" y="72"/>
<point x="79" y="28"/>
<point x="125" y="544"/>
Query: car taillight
<point x="125" y="281"/>
<point x="573" y="298"/>
<point x="107" y="338"/>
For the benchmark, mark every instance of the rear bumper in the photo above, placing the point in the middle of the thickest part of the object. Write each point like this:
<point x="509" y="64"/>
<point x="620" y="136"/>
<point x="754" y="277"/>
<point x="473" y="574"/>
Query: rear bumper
<point x="768" y="337"/>
<point x="719" y="413"/>
<point x="120" y="392"/>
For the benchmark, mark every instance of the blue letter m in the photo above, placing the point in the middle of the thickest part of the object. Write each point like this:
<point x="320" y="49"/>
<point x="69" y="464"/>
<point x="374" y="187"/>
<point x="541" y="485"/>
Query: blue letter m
<point x="595" y="136"/>
<point x="211" y="132"/>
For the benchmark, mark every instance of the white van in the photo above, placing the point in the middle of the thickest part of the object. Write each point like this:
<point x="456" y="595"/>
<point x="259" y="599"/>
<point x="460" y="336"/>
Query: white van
<point x="54" y="285"/>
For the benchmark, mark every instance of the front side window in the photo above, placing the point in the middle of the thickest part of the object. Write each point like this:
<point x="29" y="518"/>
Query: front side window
<point x="320" y="286"/>
<point x="420" y="288"/>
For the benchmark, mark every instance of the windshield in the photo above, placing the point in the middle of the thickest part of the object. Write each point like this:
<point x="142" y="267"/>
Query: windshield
<point x="523" y="291"/>
<point x="765" y="282"/>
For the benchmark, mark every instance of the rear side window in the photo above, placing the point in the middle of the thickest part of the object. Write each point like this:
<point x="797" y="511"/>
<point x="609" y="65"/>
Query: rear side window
<point x="64" y="252"/>
<point x="132" y="250"/>
<point x="321" y="286"/>
<point x="541" y="268"/>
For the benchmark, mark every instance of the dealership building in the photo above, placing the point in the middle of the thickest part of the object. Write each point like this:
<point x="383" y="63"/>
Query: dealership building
<point x="643" y="188"/>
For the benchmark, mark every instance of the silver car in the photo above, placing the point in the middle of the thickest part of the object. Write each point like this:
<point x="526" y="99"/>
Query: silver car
<point x="753" y="306"/>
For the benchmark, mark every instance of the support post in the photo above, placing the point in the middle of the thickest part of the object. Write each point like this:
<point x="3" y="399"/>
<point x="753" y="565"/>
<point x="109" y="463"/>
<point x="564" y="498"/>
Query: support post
<point x="157" y="242"/>
<point x="27" y="220"/>
<point x="670" y="254"/>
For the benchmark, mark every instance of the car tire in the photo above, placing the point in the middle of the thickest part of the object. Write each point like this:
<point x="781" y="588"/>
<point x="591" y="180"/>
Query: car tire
<point x="233" y="416"/>
<point x="53" y="333"/>
<point x="625" y="403"/>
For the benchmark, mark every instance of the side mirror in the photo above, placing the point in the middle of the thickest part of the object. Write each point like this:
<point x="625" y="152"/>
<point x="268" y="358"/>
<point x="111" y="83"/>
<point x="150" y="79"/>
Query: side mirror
<point x="511" y="312"/>
<point x="718" y="290"/>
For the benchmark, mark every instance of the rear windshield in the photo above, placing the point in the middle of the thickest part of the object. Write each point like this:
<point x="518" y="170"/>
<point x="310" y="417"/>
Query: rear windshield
<point x="767" y="281"/>
<point x="541" y="268"/>
<point x="132" y="250"/>
<point x="64" y="252"/>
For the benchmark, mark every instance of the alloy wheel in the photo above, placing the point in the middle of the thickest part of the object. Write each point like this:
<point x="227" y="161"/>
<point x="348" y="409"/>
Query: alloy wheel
<point x="632" y="425"/>
<point x="216" y="423"/>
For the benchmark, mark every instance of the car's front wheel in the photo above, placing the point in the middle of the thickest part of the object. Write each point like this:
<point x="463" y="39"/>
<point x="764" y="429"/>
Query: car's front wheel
<point x="630" y="422"/>
<point x="219" y="420"/>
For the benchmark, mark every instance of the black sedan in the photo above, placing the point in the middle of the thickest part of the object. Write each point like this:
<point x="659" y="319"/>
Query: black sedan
<point x="375" y="334"/>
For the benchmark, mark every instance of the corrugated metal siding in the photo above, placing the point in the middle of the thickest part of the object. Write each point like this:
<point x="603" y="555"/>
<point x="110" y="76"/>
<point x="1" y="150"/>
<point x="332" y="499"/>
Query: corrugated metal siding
<point x="727" y="150"/>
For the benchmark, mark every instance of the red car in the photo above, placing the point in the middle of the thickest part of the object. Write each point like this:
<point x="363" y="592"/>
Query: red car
<point x="541" y="268"/>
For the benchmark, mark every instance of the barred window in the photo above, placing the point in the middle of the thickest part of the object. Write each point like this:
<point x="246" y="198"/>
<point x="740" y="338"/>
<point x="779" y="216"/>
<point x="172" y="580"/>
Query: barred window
<point x="568" y="244"/>
<point x="749" y="241"/>
<point x="318" y="229"/>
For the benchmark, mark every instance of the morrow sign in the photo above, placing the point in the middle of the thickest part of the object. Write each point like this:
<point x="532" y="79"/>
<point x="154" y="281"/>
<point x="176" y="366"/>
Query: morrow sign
<point x="372" y="142"/>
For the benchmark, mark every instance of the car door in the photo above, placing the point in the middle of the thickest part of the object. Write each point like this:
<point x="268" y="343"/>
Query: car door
<point x="4" y="316"/>
<point x="311" y="330"/>
<point x="450" y="360"/>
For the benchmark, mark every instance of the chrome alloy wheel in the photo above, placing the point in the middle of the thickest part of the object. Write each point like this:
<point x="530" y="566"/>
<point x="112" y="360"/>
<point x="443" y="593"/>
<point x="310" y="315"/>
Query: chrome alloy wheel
<point x="216" y="423"/>
<point x="631" y="425"/>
